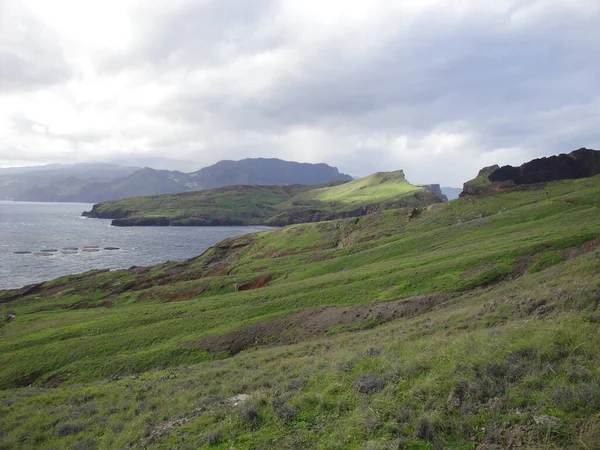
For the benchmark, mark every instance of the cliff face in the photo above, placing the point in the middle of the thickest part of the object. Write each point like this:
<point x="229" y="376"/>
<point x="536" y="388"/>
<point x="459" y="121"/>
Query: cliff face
<point x="481" y="184"/>
<point x="436" y="190"/>
<point x="580" y="163"/>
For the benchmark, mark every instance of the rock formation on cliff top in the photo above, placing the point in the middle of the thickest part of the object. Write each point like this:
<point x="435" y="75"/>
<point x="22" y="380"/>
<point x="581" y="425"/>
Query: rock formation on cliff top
<point x="580" y="163"/>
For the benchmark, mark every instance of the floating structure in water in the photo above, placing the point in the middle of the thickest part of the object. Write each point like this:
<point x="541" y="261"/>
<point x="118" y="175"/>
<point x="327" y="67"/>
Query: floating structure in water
<point x="65" y="250"/>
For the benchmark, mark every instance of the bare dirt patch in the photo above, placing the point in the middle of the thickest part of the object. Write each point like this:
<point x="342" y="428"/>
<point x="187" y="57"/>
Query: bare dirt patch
<point x="90" y="305"/>
<point x="316" y="257"/>
<point x="172" y="295"/>
<point x="476" y="271"/>
<point x="524" y="262"/>
<point x="588" y="246"/>
<point x="54" y="381"/>
<point x="315" y="322"/>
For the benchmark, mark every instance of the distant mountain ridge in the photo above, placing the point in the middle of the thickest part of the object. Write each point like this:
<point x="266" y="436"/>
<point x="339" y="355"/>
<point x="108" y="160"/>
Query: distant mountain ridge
<point x="56" y="182"/>
<point x="90" y="183"/>
<point x="265" y="171"/>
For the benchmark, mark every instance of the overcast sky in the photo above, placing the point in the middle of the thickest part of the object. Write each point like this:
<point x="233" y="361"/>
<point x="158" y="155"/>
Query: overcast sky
<point x="438" y="88"/>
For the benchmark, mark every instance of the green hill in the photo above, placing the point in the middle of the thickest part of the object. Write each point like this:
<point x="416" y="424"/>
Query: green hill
<point x="378" y="187"/>
<point x="472" y="325"/>
<point x="268" y="205"/>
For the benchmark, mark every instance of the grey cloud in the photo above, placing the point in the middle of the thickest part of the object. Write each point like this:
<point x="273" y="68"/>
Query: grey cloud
<point x="198" y="34"/>
<point x="242" y="83"/>
<point x="30" y="56"/>
<point x="460" y="72"/>
<point x="507" y="88"/>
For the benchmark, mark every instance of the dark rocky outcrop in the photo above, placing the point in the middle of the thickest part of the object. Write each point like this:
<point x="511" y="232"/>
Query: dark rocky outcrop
<point x="580" y="163"/>
<point x="481" y="184"/>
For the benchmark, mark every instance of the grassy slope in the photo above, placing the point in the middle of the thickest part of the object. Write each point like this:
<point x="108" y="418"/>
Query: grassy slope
<point x="248" y="204"/>
<point x="378" y="187"/>
<point x="484" y="367"/>
<point x="269" y="204"/>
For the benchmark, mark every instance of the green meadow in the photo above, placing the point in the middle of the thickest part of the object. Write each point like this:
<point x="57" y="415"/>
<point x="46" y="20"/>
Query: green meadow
<point x="472" y="324"/>
<point x="268" y="205"/>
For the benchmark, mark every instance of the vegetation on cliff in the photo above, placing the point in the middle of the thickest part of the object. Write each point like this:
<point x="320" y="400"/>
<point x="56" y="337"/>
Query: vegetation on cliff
<point x="268" y="205"/>
<point x="473" y="324"/>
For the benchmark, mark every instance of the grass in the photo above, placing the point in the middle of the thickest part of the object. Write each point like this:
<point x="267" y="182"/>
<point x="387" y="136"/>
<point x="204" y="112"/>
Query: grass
<point x="511" y="357"/>
<point x="267" y="205"/>
<point x="378" y="187"/>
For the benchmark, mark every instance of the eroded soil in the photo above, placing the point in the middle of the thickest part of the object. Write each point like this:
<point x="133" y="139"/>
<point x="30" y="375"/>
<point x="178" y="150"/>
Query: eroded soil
<point x="315" y="322"/>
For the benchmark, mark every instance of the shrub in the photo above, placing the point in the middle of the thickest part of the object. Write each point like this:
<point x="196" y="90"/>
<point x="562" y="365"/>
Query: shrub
<point x="345" y="366"/>
<point x="295" y="384"/>
<point x="85" y="444"/>
<point x="70" y="428"/>
<point x="368" y="383"/>
<point x="424" y="429"/>
<point x="286" y="412"/>
<point x="117" y="427"/>
<point x="211" y="438"/>
<point x="496" y="370"/>
<point x="280" y="400"/>
<point x="249" y="413"/>
<point x="372" y="351"/>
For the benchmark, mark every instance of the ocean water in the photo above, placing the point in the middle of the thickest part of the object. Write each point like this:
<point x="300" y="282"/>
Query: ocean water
<point x="33" y="227"/>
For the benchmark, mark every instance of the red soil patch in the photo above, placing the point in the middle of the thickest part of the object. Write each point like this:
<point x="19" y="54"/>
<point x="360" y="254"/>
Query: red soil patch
<point x="254" y="284"/>
<point x="173" y="295"/>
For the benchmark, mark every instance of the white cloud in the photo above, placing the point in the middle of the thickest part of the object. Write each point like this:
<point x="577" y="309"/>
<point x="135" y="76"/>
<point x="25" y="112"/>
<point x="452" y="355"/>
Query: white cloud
<point x="436" y="87"/>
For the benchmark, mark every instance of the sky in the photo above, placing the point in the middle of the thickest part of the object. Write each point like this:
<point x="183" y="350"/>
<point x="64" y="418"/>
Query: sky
<point x="438" y="88"/>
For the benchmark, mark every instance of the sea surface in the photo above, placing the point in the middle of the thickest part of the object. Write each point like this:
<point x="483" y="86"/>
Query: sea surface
<point x="33" y="227"/>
